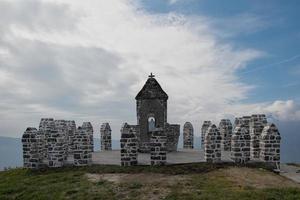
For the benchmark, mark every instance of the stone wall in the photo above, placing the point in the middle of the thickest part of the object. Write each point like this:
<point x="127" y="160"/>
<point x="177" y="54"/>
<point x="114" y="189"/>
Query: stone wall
<point x="225" y="128"/>
<point x="172" y="132"/>
<point x="45" y="127"/>
<point x="188" y="136"/>
<point x="240" y="144"/>
<point x="129" y="146"/>
<point x="204" y="128"/>
<point x="257" y="124"/>
<point x="56" y="144"/>
<point x="158" y="150"/>
<point x="270" y="145"/>
<point x="105" y="137"/>
<point x="82" y="147"/>
<point x="71" y="129"/>
<point x="212" y="144"/>
<point x="30" y="141"/>
<point x="90" y="131"/>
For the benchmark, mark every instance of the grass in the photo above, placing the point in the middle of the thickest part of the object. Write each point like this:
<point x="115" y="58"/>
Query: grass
<point x="190" y="181"/>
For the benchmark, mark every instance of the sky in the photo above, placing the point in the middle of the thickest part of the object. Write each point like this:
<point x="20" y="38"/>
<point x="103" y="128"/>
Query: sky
<point x="86" y="60"/>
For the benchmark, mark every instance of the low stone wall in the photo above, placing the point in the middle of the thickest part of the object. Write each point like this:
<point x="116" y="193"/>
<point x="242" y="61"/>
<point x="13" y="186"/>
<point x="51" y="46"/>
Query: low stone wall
<point x="56" y="148"/>
<point x="240" y="144"/>
<point x="129" y="146"/>
<point x="270" y="144"/>
<point x="212" y="144"/>
<point x="90" y="131"/>
<point x="172" y="132"/>
<point x="188" y="136"/>
<point x="204" y="128"/>
<point x="105" y="137"/>
<point x="225" y="128"/>
<point x="30" y="141"/>
<point x="82" y="147"/>
<point x="158" y="149"/>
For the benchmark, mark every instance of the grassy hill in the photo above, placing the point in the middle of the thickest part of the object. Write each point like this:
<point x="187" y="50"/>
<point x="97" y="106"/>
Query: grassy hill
<point x="190" y="181"/>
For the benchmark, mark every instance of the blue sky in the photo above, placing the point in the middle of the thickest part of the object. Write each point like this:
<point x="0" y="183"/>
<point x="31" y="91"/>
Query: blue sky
<point x="273" y="29"/>
<point x="68" y="59"/>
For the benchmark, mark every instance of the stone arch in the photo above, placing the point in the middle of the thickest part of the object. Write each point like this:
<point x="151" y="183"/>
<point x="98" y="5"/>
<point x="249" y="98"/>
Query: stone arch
<point x="188" y="136"/>
<point x="270" y="144"/>
<point x="240" y="144"/>
<point x="212" y="144"/>
<point x="204" y="128"/>
<point x="225" y="128"/>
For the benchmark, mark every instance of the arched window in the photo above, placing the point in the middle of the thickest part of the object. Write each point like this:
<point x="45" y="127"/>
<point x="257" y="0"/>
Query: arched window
<point x="151" y="124"/>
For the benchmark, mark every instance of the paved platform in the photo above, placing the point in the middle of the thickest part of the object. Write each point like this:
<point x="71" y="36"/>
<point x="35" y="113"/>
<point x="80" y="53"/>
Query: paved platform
<point x="181" y="156"/>
<point x="290" y="171"/>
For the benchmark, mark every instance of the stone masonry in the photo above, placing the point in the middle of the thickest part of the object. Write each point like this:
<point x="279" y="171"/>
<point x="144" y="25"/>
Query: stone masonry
<point x="30" y="143"/>
<point x="105" y="136"/>
<point x="257" y="124"/>
<point x="82" y="147"/>
<point x="71" y="129"/>
<point x="270" y="145"/>
<point x="204" y="128"/>
<point x="129" y="146"/>
<point x="240" y="144"/>
<point x="225" y="128"/>
<point x="172" y="132"/>
<point x="158" y="150"/>
<point x="56" y="148"/>
<point x="212" y="144"/>
<point x="90" y="131"/>
<point x="188" y="136"/>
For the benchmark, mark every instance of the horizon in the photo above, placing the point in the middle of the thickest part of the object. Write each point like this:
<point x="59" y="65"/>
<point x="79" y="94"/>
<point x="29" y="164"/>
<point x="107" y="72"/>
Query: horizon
<point x="87" y="61"/>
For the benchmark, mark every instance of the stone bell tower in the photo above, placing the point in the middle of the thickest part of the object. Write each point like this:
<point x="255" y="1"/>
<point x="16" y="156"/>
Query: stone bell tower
<point x="151" y="107"/>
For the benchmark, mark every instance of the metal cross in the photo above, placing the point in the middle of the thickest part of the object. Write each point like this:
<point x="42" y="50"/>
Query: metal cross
<point x="151" y="75"/>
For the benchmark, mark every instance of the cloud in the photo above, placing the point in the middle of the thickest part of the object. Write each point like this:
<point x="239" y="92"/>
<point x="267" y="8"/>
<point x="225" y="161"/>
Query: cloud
<point x="87" y="61"/>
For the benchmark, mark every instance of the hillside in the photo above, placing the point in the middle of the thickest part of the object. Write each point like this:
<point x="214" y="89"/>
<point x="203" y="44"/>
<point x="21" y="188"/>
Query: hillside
<point x="191" y="181"/>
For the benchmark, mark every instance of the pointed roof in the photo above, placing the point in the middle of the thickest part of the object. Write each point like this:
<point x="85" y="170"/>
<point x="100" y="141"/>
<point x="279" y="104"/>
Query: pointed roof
<point x="152" y="90"/>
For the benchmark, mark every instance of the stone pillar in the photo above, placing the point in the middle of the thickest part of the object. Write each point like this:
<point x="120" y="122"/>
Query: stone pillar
<point x="225" y="128"/>
<point x="172" y="132"/>
<point x="270" y="145"/>
<point x="89" y="129"/>
<point x="129" y="146"/>
<point x="71" y="129"/>
<point x="158" y="147"/>
<point x="212" y="144"/>
<point x="204" y="128"/>
<point x="257" y="124"/>
<point x="188" y="136"/>
<point x="61" y="127"/>
<point x="82" y="147"/>
<point x="240" y="144"/>
<point x="45" y="127"/>
<point x="30" y="141"/>
<point x="56" y="148"/>
<point x="105" y="135"/>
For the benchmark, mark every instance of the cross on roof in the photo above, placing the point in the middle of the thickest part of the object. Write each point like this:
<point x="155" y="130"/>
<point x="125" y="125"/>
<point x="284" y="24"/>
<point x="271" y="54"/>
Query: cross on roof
<point x="151" y="75"/>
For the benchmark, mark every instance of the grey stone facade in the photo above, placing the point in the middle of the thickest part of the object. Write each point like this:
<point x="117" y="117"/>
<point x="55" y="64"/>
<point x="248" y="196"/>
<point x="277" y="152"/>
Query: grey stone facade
<point x="240" y="144"/>
<point x="90" y="131"/>
<point x="270" y="145"/>
<point x="105" y="137"/>
<point x="82" y="147"/>
<point x="56" y="143"/>
<point x="129" y="145"/>
<point x="204" y="128"/>
<point x="172" y="132"/>
<point x="257" y="124"/>
<point x="212" y="144"/>
<point x="151" y="108"/>
<point x="188" y="136"/>
<point x="225" y="128"/>
<point x="158" y="150"/>
<point x="30" y="141"/>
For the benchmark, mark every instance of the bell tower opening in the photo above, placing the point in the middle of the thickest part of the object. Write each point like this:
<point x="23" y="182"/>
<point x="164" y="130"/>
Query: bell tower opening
<point x="151" y="124"/>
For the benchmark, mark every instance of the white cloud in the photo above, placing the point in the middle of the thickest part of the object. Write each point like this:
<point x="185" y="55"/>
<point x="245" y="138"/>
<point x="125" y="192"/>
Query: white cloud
<point x="87" y="61"/>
